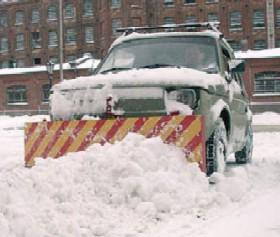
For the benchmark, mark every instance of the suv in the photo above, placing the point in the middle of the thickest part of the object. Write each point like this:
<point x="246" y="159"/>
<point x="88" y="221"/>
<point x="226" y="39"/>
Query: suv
<point x="169" y="72"/>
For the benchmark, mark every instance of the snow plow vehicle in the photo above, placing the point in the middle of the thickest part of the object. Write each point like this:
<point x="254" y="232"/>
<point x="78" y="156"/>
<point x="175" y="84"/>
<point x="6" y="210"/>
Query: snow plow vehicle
<point x="184" y="86"/>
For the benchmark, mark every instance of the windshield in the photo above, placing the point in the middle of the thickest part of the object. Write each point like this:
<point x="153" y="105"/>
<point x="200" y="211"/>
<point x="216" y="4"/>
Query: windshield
<point x="191" y="52"/>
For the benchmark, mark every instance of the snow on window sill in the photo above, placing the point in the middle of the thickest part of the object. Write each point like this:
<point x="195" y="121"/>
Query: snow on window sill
<point x="235" y="29"/>
<point x="259" y="28"/>
<point x="44" y="102"/>
<point x="18" y="103"/>
<point x="190" y="4"/>
<point x="90" y="42"/>
<point x="266" y="94"/>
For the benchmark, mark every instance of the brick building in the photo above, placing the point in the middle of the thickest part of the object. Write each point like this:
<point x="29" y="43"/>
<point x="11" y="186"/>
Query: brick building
<point x="262" y="79"/>
<point x="26" y="90"/>
<point x="29" y="28"/>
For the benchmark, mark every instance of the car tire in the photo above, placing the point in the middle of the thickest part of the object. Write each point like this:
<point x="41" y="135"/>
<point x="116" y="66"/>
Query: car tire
<point x="244" y="156"/>
<point x="216" y="149"/>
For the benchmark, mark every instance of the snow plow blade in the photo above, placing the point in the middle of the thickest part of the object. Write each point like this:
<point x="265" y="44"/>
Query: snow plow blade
<point x="56" y="138"/>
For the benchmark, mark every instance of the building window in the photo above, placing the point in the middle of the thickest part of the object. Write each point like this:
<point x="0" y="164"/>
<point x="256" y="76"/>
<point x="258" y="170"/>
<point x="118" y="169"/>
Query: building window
<point x="71" y="58"/>
<point x="235" y="20"/>
<point x="258" y="19"/>
<point x="19" y="17"/>
<point x="259" y="44"/>
<point x="190" y="19"/>
<point x="116" y="23"/>
<point x="277" y="18"/>
<point x="52" y="39"/>
<point x="168" y="3"/>
<point x="20" y="63"/>
<point x="189" y="1"/>
<point x="54" y="59"/>
<point x="115" y="3"/>
<point x="169" y="20"/>
<point x="35" y="15"/>
<point x="235" y="45"/>
<point x="212" y="17"/>
<point x="36" y="61"/>
<point x="3" y="20"/>
<point x="17" y="94"/>
<point x="45" y="92"/>
<point x="88" y="8"/>
<point x="4" y="64"/>
<point x="52" y="12"/>
<point x="277" y="43"/>
<point x="71" y="36"/>
<point x="35" y="40"/>
<point x="212" y="1"/>
<point x="267" y="83"/>
<point x="89" y="34"/>
<point x="69" y="11"/>
<point x="20" y="41"/>
<point x="4" y="45"/>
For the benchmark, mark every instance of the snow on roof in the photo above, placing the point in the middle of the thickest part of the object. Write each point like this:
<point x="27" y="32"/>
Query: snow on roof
<point x="266" y="53"/>
<point x="82" y="63"/>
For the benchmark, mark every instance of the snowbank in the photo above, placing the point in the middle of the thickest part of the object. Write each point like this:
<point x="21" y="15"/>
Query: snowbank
<point x="14" y="123"/>
<point x="266" y="118"/>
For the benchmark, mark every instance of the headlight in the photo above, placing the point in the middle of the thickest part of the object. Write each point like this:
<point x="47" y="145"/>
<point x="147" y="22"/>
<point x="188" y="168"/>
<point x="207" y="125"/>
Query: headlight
<point x="185" y="96"/>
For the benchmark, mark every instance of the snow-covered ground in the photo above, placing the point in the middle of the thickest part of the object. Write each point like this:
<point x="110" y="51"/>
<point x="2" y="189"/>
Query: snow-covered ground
<point x="132" y="189"/>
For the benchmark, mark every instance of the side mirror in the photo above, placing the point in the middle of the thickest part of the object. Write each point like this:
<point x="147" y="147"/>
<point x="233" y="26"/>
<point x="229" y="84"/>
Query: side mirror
<point x="236" y="65"/>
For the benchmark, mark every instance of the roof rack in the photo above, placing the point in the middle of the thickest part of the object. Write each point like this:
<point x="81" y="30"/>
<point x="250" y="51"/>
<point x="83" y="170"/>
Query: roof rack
<point x="187" y="26"/>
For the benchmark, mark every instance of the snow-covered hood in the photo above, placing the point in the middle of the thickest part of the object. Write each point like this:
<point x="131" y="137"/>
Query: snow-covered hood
<point x="147" y="77"/>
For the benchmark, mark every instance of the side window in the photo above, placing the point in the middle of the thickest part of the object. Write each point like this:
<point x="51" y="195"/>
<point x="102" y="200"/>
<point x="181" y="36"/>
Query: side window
<point x="226" y="59"/>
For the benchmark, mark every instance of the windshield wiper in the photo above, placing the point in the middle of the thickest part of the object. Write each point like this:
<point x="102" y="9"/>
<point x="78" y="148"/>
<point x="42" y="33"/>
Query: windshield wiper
<point x="115" y="69"/>
<point x="158" y="65"/>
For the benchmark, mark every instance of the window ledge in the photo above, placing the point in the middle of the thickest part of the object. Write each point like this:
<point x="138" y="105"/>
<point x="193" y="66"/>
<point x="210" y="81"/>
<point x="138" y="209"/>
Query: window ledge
<point x="259" y="28"/>
<point x="90" y="42"/>
<point x="18" y="103"/>
<point x="265" y="95"/>
<point x="44" y="102"/>
<point x="215" y="2"/>
<point x="190" y="4"/>
<point x="235" y="29"/>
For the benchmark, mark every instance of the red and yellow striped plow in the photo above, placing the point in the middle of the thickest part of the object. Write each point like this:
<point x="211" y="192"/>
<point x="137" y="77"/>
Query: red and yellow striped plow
<point x="56" y="138"/>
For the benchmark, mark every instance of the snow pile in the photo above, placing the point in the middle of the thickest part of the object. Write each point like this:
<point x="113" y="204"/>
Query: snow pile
<point x="14" y="123"/>
<point x="100" y="191"/>
<point x="266" y="118"/>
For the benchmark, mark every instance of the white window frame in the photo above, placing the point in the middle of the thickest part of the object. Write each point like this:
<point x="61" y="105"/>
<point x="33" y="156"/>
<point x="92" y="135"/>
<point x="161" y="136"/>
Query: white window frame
<point x="20" y="41"/>
<point x="89" y="34"/>
<point x="52" y="38"/>
<point x="52" y="12"/>
<point x="19" y="19"/>
<point x="266" y="80"/>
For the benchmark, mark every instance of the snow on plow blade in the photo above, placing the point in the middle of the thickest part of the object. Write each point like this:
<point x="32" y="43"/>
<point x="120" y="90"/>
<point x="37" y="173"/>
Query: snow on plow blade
<point x="56" y="138"/>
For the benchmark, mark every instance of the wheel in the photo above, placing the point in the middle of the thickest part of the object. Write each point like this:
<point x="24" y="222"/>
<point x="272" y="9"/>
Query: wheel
<point x="245" y="155"/>
<point x="216" y="149"/>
